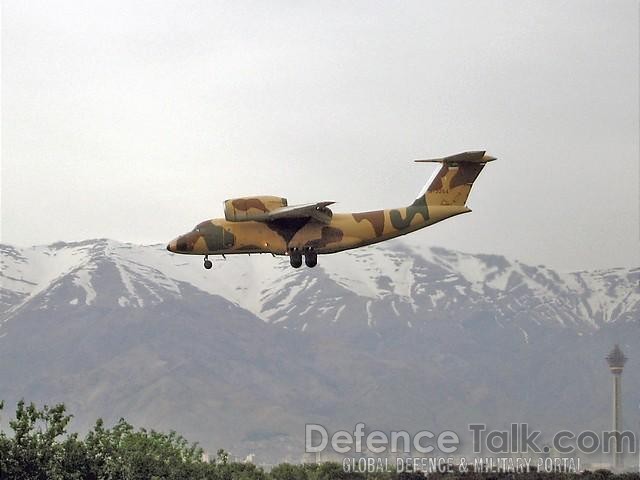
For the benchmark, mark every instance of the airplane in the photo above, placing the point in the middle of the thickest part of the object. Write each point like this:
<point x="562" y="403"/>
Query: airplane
<point x="267" y="224"/>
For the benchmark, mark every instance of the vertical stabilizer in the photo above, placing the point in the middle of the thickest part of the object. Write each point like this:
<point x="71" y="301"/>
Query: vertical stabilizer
<point x="451" y="184"/>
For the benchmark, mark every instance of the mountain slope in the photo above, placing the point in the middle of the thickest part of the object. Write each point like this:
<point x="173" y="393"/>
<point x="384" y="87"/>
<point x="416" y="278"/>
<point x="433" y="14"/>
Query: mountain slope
<point x="244" y="355"/>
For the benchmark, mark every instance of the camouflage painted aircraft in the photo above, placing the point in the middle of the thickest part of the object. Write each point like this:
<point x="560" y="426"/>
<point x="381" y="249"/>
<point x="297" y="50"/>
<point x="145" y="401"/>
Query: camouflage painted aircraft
<point x="267" y="224"/>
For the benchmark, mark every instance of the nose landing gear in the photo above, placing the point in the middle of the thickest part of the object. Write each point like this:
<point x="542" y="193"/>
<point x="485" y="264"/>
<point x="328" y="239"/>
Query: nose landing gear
<point x="207" y="263"/>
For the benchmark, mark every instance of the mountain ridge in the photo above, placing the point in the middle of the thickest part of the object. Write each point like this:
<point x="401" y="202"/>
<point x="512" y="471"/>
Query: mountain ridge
<point x="374" y="273"/>
<point x="242" y="356"/>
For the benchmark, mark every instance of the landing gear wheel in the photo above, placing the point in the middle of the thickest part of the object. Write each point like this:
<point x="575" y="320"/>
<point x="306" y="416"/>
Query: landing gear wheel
<point x="207" y="263"/>
<point x="296" y="259"/>
<point x="311" y="259"/>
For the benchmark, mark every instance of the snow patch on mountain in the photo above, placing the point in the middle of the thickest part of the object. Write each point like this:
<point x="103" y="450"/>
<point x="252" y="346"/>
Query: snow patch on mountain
<point x="83" y="280"/>
<point x="28" y="272"/>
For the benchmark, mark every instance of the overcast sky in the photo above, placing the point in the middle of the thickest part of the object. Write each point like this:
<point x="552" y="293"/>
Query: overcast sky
<point x="135" y="120"/>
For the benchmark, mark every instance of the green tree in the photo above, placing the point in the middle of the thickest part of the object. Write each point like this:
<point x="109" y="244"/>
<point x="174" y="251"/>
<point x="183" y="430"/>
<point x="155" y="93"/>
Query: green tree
<point x="333" y="471"/>
<point x="5" y="448"/>
<point x="122" y="452"/>
<point x="286" y="471"/>
<point x="34" y="453"/>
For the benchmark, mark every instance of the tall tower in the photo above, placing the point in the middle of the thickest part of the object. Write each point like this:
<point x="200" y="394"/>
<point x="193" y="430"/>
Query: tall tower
<point x="616" y="361"/>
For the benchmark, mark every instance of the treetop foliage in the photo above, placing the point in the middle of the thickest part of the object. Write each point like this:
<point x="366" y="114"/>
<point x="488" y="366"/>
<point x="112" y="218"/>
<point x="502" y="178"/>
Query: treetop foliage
<point x="39" y="448"/>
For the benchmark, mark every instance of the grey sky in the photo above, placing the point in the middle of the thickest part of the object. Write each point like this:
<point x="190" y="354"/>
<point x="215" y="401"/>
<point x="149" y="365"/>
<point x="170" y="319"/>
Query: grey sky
<point x="135" y="120"/>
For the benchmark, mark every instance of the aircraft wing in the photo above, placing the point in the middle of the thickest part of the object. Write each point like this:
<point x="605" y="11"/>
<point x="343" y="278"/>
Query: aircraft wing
<point x="317" y="211"/>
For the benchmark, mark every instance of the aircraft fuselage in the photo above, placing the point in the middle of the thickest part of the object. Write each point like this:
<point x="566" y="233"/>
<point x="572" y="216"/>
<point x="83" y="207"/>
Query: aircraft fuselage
<point x="280" y="237"/>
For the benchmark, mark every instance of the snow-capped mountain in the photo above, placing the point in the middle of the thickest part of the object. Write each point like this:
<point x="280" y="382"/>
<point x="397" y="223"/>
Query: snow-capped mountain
<point x="408" y="282"/>
<point x="243" y="355"/>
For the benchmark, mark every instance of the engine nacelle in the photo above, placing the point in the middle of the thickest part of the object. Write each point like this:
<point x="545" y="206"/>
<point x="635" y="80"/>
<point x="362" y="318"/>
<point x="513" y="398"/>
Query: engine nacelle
<point x="246" y="209"/>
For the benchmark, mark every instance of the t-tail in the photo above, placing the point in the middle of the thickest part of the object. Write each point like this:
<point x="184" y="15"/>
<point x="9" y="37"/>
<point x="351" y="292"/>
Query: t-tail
<point x="451" y="184"/>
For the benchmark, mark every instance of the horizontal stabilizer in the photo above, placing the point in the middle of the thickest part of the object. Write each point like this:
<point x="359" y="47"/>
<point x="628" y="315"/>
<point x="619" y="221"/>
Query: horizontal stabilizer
<point x="464" y="157"/>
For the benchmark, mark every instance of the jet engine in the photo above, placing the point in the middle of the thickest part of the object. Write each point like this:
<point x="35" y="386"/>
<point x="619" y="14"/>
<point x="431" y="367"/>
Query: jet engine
<point x="245" y="209"/>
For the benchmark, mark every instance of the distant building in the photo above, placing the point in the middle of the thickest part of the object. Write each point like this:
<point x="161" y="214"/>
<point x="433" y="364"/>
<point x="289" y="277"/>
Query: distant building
<point x="616" y="361"/>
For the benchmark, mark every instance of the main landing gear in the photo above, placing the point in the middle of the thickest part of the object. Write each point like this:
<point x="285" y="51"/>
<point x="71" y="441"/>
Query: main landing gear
<point x="310" y="257"/>
<point x="295" y="258"/>
<point x="207" y="263"/>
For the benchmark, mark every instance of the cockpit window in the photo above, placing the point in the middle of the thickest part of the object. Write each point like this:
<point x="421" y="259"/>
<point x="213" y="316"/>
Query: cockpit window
<point x="203" y="227"/>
